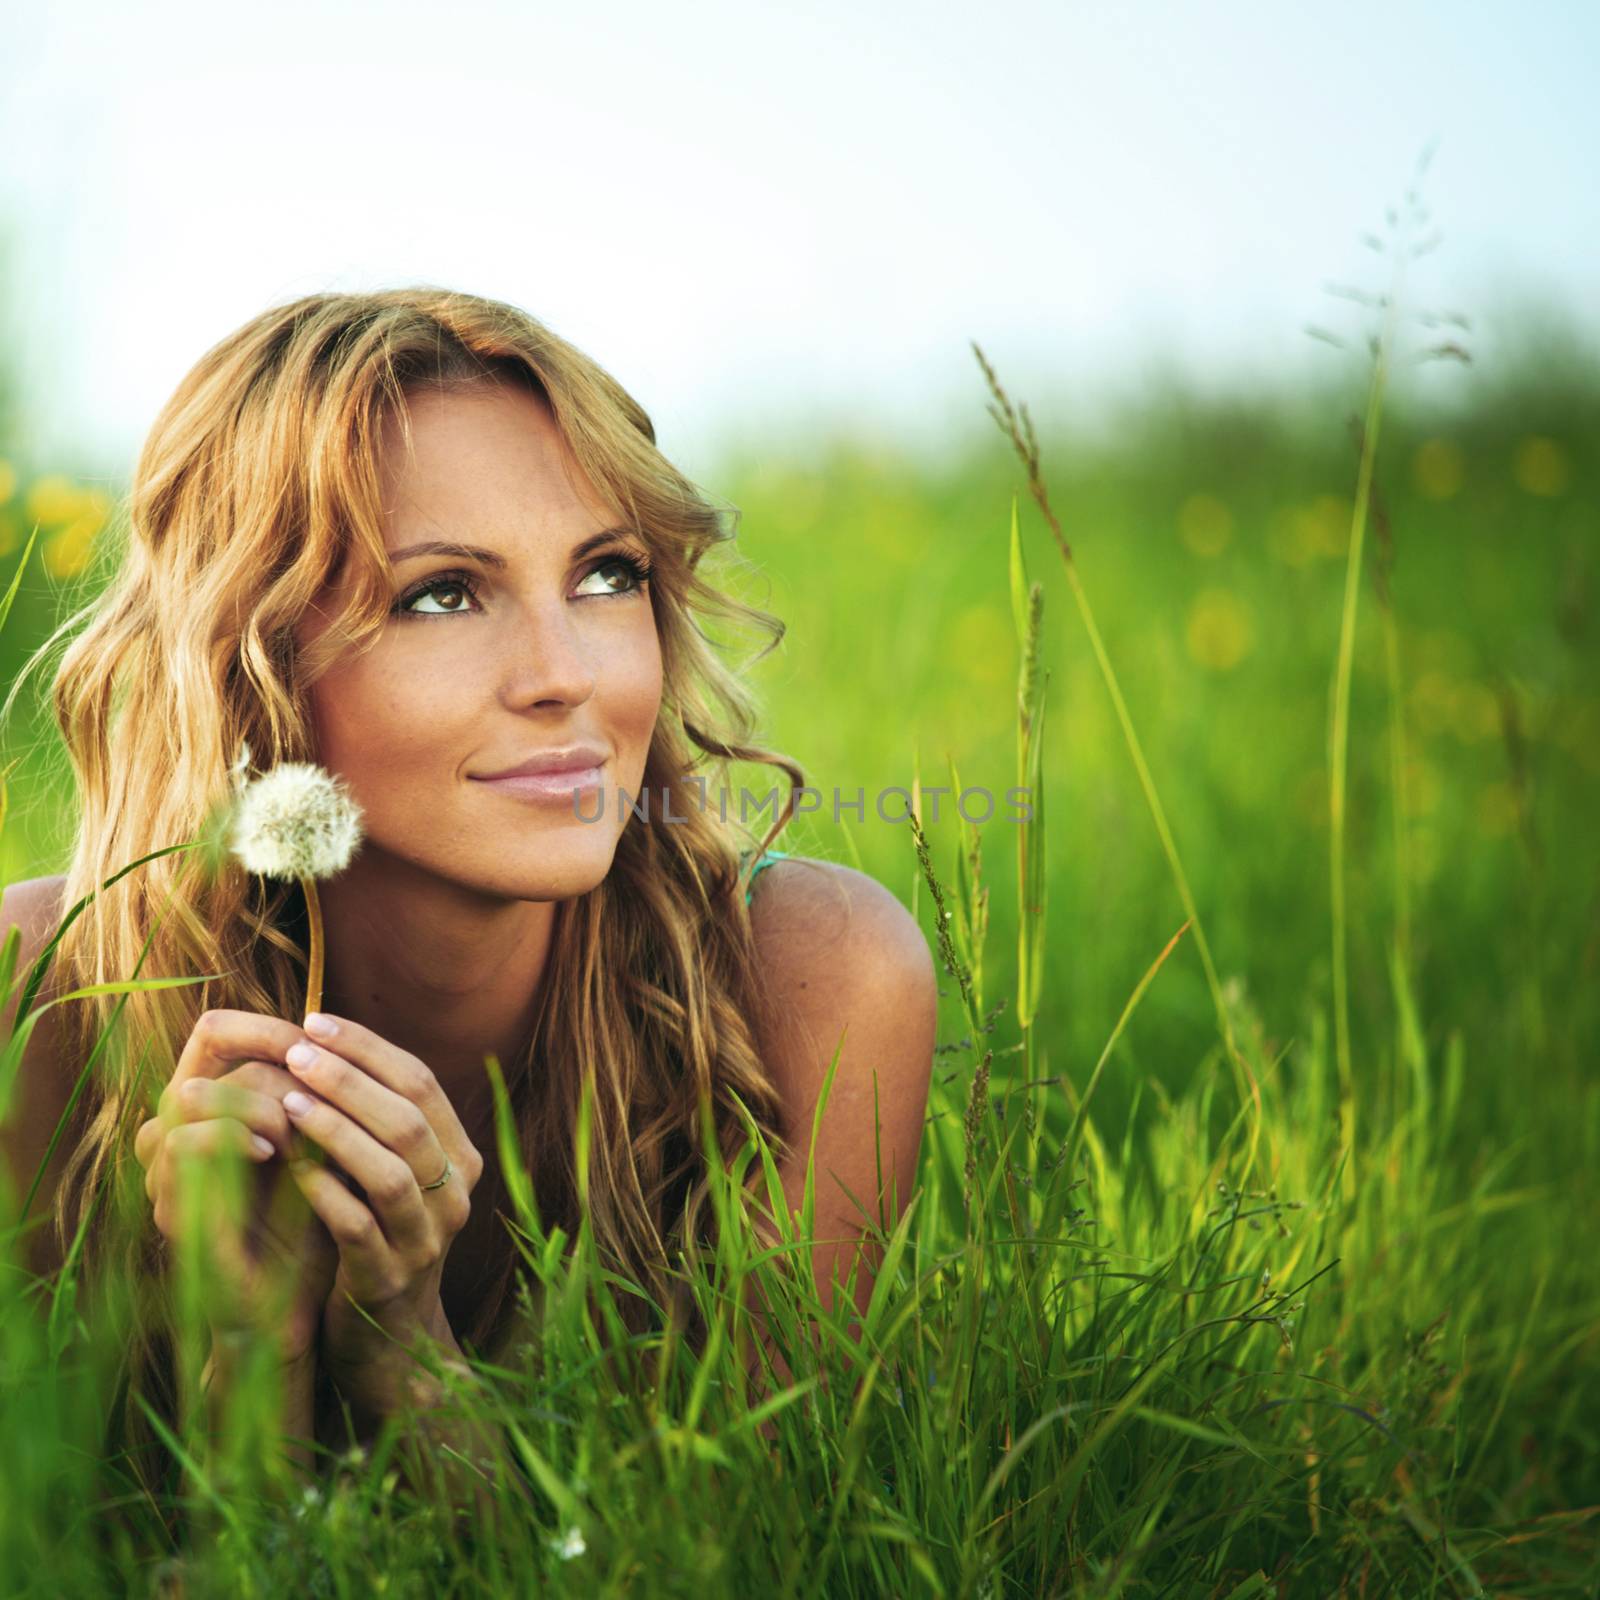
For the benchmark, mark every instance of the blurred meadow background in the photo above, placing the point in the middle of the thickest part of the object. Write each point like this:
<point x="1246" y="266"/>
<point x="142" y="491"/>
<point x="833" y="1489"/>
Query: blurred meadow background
<point x="1421" y="1418"/>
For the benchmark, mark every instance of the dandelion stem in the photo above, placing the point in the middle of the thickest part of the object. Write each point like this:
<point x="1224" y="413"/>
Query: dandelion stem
<point x="314" y="966"/>
<point x="295" y="823"/>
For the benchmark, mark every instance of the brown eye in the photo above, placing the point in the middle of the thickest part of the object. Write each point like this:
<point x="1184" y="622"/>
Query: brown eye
<point x="636" y="570"/>
<point x="445" y="583"/>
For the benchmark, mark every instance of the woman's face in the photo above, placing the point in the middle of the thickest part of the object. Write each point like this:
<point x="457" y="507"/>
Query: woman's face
<point x="487" y="665"/>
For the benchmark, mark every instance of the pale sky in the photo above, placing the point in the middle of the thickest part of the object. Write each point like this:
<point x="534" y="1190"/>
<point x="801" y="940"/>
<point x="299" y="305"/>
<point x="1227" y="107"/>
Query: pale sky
<point x="760" y="217"/>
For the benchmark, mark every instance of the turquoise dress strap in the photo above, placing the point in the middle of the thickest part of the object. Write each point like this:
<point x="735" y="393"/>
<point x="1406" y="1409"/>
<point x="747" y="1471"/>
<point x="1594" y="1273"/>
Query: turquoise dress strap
<point x="761" y="866"/>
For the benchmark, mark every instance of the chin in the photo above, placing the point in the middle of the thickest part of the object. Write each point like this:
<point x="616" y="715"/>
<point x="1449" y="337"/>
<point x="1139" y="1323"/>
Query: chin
<point x="567" y="868"/>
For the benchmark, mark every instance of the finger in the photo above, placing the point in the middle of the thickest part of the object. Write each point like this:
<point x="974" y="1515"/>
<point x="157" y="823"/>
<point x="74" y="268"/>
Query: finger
<point x="391" y="1187"/>
<point x="265" y="1078"/>
<point x="408" y="1076"/>
<point x="222" y="1039"/>
<point x="268" y="1081"/>
<point x="396" y="1123"/>
<point x="202" y="1098"/>
<point x="186" y="1145"/>
<point x="147" y="1141"/>
<point x="207" y="1139"/>
<point x="369" y="1263"/>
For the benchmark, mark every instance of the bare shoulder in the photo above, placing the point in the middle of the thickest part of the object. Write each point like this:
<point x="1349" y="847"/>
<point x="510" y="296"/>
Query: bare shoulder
<point x="847" y="968"/>
<point x="823" y="921"/>
<point x="34" y="907"/>
<point x="39" y="1093"/>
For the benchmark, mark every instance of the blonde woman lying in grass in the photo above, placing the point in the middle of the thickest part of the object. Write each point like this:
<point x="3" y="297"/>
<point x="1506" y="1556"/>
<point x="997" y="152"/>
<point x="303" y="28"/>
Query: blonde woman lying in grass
<point x="415" y="539"/>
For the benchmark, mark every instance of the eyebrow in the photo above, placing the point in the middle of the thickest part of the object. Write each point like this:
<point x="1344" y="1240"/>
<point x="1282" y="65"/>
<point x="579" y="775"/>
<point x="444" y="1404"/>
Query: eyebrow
<point x="493" y="558"/>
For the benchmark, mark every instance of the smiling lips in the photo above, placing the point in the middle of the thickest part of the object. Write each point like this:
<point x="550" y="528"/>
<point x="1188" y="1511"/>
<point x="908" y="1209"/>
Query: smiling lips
<point x="575" y="758"/>
<point x="558" y="785"/>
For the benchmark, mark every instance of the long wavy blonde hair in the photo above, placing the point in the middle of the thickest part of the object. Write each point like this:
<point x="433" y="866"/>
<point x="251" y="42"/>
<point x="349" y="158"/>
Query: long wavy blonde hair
<point x="258" y="480"/>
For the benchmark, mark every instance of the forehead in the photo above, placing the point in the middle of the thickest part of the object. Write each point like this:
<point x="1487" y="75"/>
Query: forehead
<point x="493" y="452"/>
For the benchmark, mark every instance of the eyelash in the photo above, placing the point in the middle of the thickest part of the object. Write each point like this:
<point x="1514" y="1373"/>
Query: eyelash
<point x="636" y="565"/>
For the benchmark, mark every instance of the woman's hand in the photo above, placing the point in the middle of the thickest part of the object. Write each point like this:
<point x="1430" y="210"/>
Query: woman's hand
<point x="382" y="1114"/>
<point x="273" y="1269"/>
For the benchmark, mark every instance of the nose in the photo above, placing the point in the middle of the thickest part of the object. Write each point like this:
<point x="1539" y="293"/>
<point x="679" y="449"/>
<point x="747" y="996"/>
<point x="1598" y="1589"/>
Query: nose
<point x="550" y="661"/>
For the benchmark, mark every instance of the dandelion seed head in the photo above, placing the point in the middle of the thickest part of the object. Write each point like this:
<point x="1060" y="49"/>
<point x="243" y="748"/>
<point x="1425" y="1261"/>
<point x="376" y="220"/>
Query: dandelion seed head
<point x="294" y="822"/>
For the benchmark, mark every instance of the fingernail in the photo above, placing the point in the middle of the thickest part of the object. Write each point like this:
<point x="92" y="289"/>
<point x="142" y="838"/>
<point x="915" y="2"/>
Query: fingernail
<point x="263" y="1147"/>
<point x="296" y="1104"/>
<point x="323" y="1027"/>
<point x="301" y="1055"/>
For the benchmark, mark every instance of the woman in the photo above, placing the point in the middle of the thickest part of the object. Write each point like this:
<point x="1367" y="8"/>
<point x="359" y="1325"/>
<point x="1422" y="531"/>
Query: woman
<point x="415" y="537"/>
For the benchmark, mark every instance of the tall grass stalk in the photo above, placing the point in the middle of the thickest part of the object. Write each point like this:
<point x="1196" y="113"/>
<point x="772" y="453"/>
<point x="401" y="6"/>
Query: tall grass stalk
<point x="1401" y="249"/>
<point x="1027" y="448"/>
<point x="1339" y="726"/>
<point x="1033" y="683"/>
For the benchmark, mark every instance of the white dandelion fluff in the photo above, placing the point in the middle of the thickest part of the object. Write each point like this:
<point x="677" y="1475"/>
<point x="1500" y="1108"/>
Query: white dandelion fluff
<point x="295" y="822"/>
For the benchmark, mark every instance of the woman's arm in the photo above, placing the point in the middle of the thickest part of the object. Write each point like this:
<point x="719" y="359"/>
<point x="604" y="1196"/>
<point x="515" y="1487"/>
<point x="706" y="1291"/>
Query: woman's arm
<point x="297" y="1427"/>
<point x="847" y="968"/>
<point x="441" y="1450"/>
<point x="41" y="1089"/>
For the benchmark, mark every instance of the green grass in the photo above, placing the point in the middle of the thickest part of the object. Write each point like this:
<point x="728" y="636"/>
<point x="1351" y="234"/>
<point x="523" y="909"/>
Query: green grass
<point x="1273" y="1282"/>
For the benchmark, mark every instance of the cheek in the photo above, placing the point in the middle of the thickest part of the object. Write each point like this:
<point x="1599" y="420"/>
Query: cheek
<point x="372" y="724"/>
<point x="633" y="688"/>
